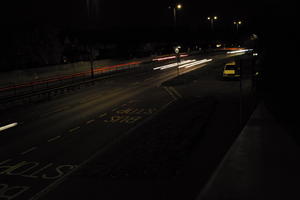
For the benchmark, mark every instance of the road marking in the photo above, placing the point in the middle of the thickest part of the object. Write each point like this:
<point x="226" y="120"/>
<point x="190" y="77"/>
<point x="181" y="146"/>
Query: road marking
<point x="29" y="150"/>
<point x="8" y="126"/>
<point x="90" y="121"/>
<point x="53" y="139"/>
<point x="74" y="129"/>
<point x="148" y="79"/>
<point x="102" y="115"/>
<point x="55" y="111"/>
<point x="170" y="93"/>
<point x="62" y="178"/>
<point x="176" y="92"/>
<point x="11" y="192"/>
<point x="114" y="109"/>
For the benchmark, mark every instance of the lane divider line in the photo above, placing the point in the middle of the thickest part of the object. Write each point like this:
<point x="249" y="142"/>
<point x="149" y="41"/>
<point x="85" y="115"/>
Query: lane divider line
<point x="74" y="129"/>
<point x="100" y="151"/>
<point x="28" y="150"/>
<point x="8" y="126"/>
<point x="90" y="121"/>
<point x="53" y="139"/>
<point x="102" y="115"/>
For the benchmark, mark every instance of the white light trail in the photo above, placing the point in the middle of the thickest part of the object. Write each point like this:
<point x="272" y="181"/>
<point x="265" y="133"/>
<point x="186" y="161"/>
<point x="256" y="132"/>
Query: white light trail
<point x="169" y="57"/>
<point x="173" y="65"/>
<point x="195" y="63"/>
<point x="239" y="51"/>
<point x="8" y="126"/>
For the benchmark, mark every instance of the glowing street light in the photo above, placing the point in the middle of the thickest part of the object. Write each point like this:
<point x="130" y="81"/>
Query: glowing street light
<point x="175" y="8"/>
<point x="237" y="23"/>
<point x="212" y="19"/>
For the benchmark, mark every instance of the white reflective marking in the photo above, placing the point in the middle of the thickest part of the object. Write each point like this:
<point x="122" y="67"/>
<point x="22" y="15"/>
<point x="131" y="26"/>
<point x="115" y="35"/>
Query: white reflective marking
<point x="55" y="138"/>
<point x="90" y="121"/>
<point x="74" y="129"/>
<point x="8" y="126"/>
<point x="29" y="150"/>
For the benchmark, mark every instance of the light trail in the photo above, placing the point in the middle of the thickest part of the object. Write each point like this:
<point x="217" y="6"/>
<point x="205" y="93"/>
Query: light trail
<point x="195" y="63"/>
<point x="239" y="51"/>
<point x="183" y="64"/>
<point x="173" y="65"/>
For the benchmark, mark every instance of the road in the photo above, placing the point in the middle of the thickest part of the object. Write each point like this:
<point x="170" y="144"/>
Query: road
<point x="53" y="138"/>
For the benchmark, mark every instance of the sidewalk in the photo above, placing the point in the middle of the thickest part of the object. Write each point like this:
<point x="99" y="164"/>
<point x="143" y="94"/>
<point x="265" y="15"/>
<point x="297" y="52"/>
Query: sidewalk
<point x="263" y="163"/>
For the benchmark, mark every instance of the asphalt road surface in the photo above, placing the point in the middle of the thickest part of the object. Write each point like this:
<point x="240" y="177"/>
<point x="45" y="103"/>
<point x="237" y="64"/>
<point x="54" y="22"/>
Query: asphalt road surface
<point x="53" y="138"/>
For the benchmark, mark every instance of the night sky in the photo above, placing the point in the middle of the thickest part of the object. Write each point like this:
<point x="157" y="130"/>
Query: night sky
<point x="130" y="13"/>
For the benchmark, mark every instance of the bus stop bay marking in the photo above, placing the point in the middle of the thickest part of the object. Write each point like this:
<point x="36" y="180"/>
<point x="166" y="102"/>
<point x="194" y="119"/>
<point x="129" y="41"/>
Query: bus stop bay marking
<point x="123" y="119"/>
<point x="136" y="111"/>
<point x="35" y="170"/>
<point x="9" y="192"/>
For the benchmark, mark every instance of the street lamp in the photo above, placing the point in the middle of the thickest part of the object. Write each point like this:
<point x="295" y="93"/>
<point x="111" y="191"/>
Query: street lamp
<point x="212" y="19"/>
<point x="237" y="23"/>
<point x="175" y="8"/>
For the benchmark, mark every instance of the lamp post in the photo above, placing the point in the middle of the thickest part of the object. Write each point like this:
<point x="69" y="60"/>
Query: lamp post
<point x="237" y="23"/>
<point x="175" y="8"/>
<point x="212" y="19"/>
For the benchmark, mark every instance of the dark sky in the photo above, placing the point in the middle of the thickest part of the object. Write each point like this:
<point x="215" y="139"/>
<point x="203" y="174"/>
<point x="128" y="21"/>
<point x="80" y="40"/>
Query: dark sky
<point x="110" y="14"/>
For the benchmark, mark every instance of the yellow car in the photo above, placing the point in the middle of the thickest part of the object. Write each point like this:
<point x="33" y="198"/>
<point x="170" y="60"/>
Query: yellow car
<point x="231" y="70"/>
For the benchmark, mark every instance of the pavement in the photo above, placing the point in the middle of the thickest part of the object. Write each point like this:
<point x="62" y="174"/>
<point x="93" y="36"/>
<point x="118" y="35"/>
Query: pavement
<point x="263" y="163"/>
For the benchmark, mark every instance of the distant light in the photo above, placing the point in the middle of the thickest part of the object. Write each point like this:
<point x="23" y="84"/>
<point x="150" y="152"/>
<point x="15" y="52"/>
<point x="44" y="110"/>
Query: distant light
<point x="218" y="45"/>
<point x="208" y="18"/>
<point x="8" y="126"/>
<point x="179" y="6"/>
<point x="237" y="22"/>
<point x="255" y="54"/>
<point x="215" y="17"/>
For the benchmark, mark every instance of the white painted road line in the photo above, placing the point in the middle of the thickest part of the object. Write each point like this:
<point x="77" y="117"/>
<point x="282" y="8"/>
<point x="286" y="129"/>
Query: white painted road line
<point x="170" y="93"/>
<point x="53" y="139"/>
<point x="102" y="115"/>
<point x="74" y="129"/>
<point x="8" y="126"/>
<point x="175" y="92"/>
<point x="90" y="121"/>
<point x="29" y="150"/>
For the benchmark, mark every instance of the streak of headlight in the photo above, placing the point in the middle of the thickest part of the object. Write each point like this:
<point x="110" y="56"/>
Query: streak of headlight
<point x="169" y="57"/>
<point x="164" y="58"/>
<point x="8" y="126"/>
<point x="173" y="65"/>
<point x="195" y="63"/>
<point x="239" y="51"/>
